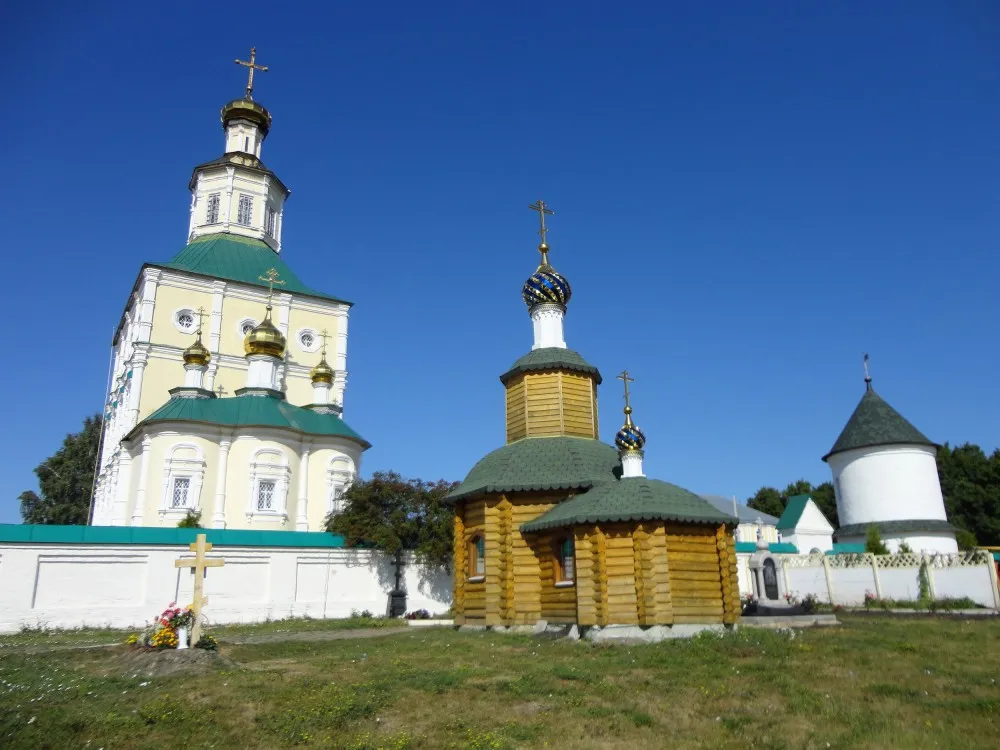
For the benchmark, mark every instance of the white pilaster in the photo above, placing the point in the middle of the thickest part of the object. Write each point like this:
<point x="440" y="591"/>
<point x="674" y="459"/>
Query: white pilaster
<point x="140" y="495"/>
<point x="120" y="507"/>
<point x="631" y="464"/>
<point x="219" y="517"/>
<point x="547" y="322"/>
<point x="302" y="517"/>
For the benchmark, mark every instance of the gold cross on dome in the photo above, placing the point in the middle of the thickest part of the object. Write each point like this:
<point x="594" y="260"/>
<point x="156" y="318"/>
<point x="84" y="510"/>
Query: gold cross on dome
<point x="252" y="65"/>
<point x="271" y="277"/>
<point x="542" y="209"/>
<point x="201" y="314"/>
<point x="324" y="335"/>
<point x="199" y="566"/>
<point x="624" y="377"/>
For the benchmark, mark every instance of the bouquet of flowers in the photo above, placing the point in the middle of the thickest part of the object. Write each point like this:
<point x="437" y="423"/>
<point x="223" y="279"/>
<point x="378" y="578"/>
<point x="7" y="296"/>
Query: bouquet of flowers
<point x="174" y="617"/>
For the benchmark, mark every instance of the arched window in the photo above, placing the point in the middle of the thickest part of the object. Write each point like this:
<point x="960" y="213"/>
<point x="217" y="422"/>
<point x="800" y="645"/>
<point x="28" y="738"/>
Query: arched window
<point x="477" y="557"/>
<point x="183" y="475"/>
<point x="565" y="563"/>
<point x="339" y="476"/>
<point x="269" y="478"/>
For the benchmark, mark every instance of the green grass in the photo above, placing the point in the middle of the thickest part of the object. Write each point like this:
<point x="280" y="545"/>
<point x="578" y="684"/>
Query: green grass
<point x="873" y="682"/>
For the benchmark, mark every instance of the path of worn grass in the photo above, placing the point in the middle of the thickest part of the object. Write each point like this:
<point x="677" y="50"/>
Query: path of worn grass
<point x="873" y="682"/>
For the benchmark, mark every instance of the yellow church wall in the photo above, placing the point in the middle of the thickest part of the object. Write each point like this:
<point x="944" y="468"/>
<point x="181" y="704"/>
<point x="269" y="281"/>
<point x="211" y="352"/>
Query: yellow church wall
<point x="234" y="311"/>
<point x="239" y="482"/>
<point x="170" y="299"/>
<point x="166" y="450"/>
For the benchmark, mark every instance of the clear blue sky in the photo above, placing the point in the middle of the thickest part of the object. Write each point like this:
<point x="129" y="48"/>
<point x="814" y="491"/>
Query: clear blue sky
<point x="748" y="196"/>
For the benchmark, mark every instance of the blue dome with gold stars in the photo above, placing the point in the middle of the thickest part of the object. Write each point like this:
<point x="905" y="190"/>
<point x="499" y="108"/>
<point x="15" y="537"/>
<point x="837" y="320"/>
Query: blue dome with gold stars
<point x="546" y="286"/>
<point x="630" y="437"/>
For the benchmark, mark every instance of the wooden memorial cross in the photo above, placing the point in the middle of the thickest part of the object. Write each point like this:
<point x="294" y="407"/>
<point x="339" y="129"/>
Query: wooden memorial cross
<point x="199" y="566"/>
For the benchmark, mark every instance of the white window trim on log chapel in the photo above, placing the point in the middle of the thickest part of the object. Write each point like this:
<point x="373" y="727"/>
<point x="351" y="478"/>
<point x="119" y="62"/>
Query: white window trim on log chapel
<point x="206" y="385"/>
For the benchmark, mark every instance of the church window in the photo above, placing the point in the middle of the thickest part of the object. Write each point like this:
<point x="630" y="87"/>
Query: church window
<point x="565" y="563"/>
<point x="244" y="213"/>
<point x="308" y="340"/>
<point x="246" y="144"/>
<point x="339" y="475"/>
<point x="184" y="320"/>
<point x="182" y="486"/>
<point x="246" y="326"/>
<point x="269" y="221"/>
<point x="477" y="557"/>
<point x="212" y="210"/>
<point x="265" y="496"/>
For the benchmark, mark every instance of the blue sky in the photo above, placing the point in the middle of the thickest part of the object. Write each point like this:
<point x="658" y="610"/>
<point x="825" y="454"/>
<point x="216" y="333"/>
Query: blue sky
<point x="748" y="196"/>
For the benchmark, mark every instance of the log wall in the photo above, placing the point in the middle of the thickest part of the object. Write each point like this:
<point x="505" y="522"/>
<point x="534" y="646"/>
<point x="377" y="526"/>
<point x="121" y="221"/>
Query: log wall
<point x="549" y="404"/>
<point x="558" y="603"/>
<point x="695" y="573"/>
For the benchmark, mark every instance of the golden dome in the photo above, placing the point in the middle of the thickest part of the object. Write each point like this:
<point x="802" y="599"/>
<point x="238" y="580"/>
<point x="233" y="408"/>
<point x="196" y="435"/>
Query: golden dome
<point x="321" y="373"/>
<point x="265" y="339"/>
<point x="197" y="354"/>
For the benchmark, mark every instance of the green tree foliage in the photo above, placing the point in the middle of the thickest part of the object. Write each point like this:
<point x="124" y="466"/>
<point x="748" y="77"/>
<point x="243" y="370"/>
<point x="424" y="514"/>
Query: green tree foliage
<point x="970" y="482"/>
<point x="66" y="480"/>
<point x="394" y="514"/>
<point x="771" y="501"/>
<point x="191" y="521"/>
<point x="874" y="543"/>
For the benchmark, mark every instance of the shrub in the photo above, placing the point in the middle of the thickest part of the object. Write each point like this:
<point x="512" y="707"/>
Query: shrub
<point x="191" y="521"/>
<point x="874" y="543"/>
<point x="965" y="539"/>
<point x="208" y="643"/>
<point x="904" y="549"/>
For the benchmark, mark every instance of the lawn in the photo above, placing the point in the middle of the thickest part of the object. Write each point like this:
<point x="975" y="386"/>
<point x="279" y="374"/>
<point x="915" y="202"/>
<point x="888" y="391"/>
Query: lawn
<point x="875" y="681"/>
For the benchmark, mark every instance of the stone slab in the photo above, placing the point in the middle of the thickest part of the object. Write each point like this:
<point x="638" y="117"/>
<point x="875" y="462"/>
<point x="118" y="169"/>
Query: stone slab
<point x="430" y="623"/>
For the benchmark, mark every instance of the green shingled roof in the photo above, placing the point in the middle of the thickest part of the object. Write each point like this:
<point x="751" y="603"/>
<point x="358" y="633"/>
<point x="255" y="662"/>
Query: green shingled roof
<point x="237" y="258"/>
<point x="252" y="411"/>
<point x="793" y="511"/>
<point x="632" y="499"/>
<point x="874" y="422"/>
<point x="550" y="358"/>
<point x="541" y="463"/>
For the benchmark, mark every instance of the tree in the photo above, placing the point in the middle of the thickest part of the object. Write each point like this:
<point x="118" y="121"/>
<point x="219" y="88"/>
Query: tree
<point x="394" y="514"/>
<point x="768" y="500"/>
<point x="874" y="543"/>
<point x="970" y="483"/>
<point x="826" y="500"/>
<point x="66" y="480"/>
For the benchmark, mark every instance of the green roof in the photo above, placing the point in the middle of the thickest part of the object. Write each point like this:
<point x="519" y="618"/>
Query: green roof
<point x="253" y="411"/>
<point x="237" y="258"/>
<point x="776" y="547"/>
<point x="874" y="422"/>
<point x="541" y="463"/>
<point x="550" y="358"/>
<point x="632" y="499"/>
<point x="793" y="511"/>
<point x="57" y="534"/>
<point x="887" y="528"/>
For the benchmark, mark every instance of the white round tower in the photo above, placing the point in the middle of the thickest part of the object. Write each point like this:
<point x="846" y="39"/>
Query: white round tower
<point x="885" y="475"/>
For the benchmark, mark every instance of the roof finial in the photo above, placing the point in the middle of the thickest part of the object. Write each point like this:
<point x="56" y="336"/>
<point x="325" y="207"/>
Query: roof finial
<point x="624" y="377"/>
<point x="252" y="65"/>
<point x="543" y="248"/>
<point x="271" y="277"/>
<point x="868" y="378"/>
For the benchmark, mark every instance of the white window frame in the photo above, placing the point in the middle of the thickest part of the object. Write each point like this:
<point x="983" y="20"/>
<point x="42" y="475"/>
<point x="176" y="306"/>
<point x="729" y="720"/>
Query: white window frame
<point x="173" y="492"/>
<point x="182" y="468"/>
<point x="177" y="320"/>
<point x="264" y="470"/>
<point x="241" y="214"/>
<point x="339" y="477"/>
<point x="314" y="346"/>
<point x="214" y="200"/>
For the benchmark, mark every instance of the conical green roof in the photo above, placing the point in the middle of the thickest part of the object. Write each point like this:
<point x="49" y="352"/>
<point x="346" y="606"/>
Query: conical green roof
<point x="551" y="358"/>
<point x="874" y="422"/>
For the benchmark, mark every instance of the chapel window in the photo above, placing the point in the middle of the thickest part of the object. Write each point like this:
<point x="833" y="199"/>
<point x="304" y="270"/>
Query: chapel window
<point x="565" y="567"/>
<point x="182" y="487"/>
<point x="212" y="212"/>
<point x="265" y="495"/>
<point x="245" y="211"/>
<point x="185" y="320"/>
<point x="269" y="221"/>
<point x="477" y="557"/>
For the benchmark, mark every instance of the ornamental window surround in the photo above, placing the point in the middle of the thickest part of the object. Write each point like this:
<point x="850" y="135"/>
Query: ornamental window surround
<point x="477" y="558"/>
<point x="246" y="326"/>
<point x="565" y="562"/>
<point x="184" y="320"/>
<point x="339" y="476"/>
<point x="244" y="213"/>
<point x="212" y="208"/>
<point x="269" y="480"/>
<point x="183" y="477"/>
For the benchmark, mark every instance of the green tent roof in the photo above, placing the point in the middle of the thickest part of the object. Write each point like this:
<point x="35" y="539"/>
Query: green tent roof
<point x="632" y="499"/>
<point x="550" y="358"/>
<point x="541" y="463"/>
<point x="251" y="410"/>
<point x="237" y="258"/>
<point x="874" y="422"/>
<point x="793" y="511"/>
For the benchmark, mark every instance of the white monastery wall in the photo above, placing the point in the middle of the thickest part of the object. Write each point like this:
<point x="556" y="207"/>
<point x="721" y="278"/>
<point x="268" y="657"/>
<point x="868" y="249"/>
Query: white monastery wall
<point x="887" y="483"/>
<point x="808" y="541"/>
<point x="844" y="579"/>
<point x="124" y="586"/>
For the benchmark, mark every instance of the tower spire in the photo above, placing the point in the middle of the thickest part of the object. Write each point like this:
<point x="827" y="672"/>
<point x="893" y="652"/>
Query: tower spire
<point x="253" y="66"/>
<point x="868" y="377"/>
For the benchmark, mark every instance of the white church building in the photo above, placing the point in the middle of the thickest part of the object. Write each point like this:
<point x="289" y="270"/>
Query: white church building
<point x="885" y="475"/>
<point x="221" y="398"/>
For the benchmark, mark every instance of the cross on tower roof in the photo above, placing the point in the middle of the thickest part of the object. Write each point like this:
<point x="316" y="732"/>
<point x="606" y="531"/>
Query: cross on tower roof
<point x="542" y="209"/>
<point x="868" y="378"/>
<point x="324" y="336"/>
<point x="201" y="314"/>
<point x="624" y="377"/>
<point x="252" y="65"/>
<point x="271" y="277"/>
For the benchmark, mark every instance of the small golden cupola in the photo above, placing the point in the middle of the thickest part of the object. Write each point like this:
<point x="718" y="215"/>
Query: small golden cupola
<point x="322" y="376"/>
<point x="265" y="344"/>
<point x="196" y="358"/>
<point x="265" y="339"/>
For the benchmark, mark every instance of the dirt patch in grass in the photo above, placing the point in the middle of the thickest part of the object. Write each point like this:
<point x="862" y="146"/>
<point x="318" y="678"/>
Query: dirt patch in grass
<point x="123" y="661"/>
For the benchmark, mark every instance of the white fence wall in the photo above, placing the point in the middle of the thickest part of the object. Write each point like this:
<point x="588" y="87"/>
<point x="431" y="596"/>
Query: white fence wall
<point x="125" y="586"/>
<point x="844" y="579"/>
